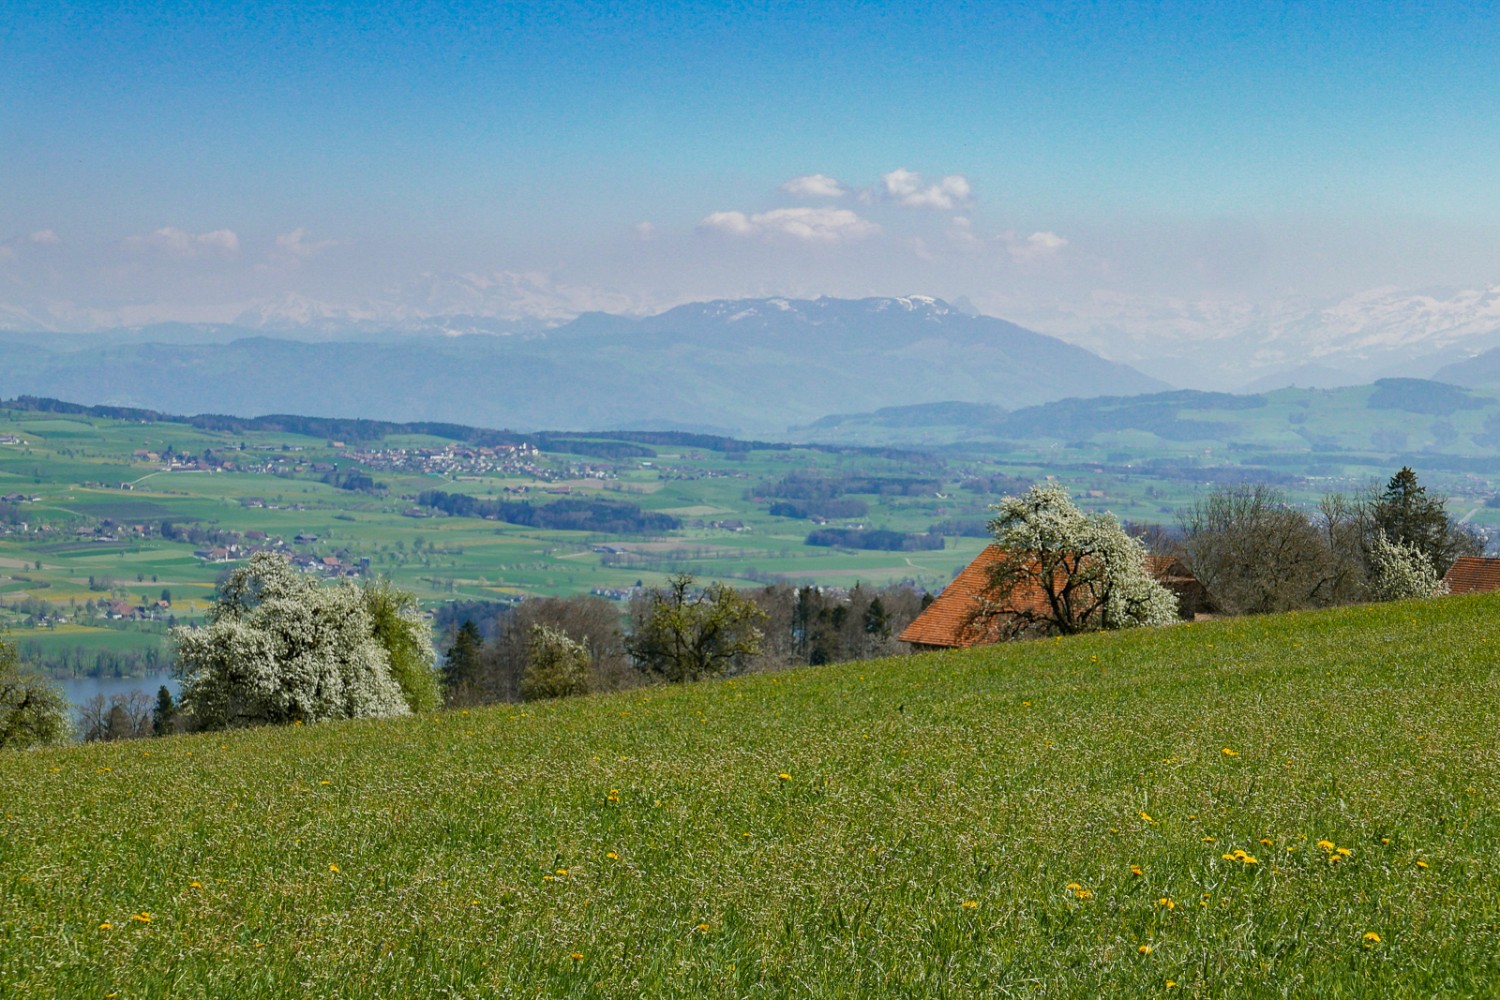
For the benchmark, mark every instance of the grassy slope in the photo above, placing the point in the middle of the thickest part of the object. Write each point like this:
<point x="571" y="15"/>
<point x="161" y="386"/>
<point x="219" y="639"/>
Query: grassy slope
<point x="422" y="857"/>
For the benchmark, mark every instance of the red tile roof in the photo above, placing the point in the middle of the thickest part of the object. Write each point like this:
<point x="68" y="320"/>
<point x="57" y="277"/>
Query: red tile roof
<point x="947" y="620"/>
<point x="1473" y="575"/>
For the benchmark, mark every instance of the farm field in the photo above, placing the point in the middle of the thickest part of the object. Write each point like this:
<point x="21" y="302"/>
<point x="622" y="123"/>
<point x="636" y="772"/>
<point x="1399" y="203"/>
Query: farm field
<point x="123" y="524"/>
<point x="1295" y="805"/>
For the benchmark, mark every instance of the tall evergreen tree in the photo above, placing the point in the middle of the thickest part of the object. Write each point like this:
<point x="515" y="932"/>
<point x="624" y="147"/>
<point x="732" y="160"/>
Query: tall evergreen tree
<point x="463" y="662"/>
<point x="1411" y="518"/>
<point x="164" y="715"/>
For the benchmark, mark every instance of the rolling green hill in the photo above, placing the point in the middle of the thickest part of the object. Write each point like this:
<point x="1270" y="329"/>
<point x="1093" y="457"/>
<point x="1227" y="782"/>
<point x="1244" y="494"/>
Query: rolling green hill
<point x="1300" y="805"/>
<point x="1408" y="421"/>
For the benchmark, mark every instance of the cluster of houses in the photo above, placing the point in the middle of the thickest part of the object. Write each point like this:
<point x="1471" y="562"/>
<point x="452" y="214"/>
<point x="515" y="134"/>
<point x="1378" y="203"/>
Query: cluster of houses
<point x="332" y="566"/>
<point x="452" y="460"/>
<point x="118" y="610"/>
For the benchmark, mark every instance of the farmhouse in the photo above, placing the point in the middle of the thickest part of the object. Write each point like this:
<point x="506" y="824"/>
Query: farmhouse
<point x="948" y="623"/>
<point x="1473" y="575"/>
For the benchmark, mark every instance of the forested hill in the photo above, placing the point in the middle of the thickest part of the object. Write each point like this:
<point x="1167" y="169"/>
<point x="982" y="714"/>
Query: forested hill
<point x="1417" y="422"/>
<point x="595" y="444"/>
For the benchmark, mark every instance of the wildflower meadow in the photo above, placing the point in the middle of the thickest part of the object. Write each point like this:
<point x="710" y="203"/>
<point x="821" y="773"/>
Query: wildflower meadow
<point x="1299" y="805"/>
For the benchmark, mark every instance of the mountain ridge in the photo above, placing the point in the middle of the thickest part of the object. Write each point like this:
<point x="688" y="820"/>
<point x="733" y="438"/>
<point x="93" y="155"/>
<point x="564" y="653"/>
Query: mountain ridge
<point x="754" y="366"/>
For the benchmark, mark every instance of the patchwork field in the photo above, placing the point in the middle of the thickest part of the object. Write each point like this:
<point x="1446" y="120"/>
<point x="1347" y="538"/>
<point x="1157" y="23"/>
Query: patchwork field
<point x="1303" y="805"/>
<point x="93" y="497"/>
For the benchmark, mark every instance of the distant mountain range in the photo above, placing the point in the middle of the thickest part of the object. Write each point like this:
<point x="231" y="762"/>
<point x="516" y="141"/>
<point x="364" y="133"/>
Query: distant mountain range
<point x="1212" y="344"/>
<point x="1317" y="344"/>
<point x="747" y="366"/>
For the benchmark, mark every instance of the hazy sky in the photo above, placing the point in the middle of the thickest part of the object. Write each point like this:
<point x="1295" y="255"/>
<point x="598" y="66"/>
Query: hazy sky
<point x="185" y="160"/>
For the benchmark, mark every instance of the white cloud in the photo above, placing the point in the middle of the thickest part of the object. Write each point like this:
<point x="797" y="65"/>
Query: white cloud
<point x="1032" y="247"/>
<point x="811" y="225"/>
<point x="296" y="245"/>
<point x="905" y="188"/>
<point x="169" y="241"/>
<point x="12" y="248"/>
<point x="814" y="186"/>
<point x="645" y="231"/>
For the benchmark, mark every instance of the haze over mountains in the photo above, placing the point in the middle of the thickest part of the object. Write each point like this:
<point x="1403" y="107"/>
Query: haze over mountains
<point x="750" y="366"/>
<point x="1238" y="346"/>
<point x="1212" y="344"/>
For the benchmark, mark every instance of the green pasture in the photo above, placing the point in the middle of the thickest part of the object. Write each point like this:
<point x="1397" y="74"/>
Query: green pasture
<point x="1302" y="805"/>
<point x="75" y="466"/>
<point x="125" y="638"/>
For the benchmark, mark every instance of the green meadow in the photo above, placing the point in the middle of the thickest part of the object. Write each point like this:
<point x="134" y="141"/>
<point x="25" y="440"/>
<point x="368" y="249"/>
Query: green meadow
<point x="1304" y="805"/>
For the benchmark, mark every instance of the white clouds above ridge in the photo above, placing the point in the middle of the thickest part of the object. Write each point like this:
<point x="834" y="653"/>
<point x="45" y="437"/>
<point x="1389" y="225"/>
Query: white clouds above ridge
<point x="810" y="225"/>
<point x="169" y="241"/>
<point x="905" y="188"/>
<point x="815" y="186"/>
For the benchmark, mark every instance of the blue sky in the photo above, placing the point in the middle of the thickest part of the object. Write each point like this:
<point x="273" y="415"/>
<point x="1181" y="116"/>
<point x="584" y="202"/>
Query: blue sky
<point x="184" y="160"/>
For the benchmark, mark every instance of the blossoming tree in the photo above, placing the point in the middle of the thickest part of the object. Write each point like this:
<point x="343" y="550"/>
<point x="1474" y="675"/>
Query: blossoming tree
<point x="279" y="648"/>
<point x="1062" y="571"/>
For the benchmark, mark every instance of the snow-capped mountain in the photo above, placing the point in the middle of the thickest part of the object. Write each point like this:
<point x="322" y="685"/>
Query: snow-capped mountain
<point x="1235" y="345"/>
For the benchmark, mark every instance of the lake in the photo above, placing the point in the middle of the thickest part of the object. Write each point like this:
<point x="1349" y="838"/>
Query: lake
<point x="80" y="689"/>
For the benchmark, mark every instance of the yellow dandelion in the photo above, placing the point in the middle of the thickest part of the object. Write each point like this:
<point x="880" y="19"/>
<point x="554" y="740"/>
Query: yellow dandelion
<point x="548" y="878"/>
<point x="195" y="884"/>
<point x="1084" y="894"/>
<point x="325" y="781"/>
<point x="1171" y="983"/>
<point x="1267" y="842"/>
<point x="1229" y="753"/>
<point x="970" y="904"/>
<point x="1168" y="902"/>
<point x="1209" y="840"/>
<point x="784" y="776"/>
<point x="333" y="868"/>
<point x="1074" y="887"/>
<point x="562" y="871"/>
<point x="612" y="856"/>
<point x="106" y="926"/>
<point x="1326" y="845"/>
<point x="577" y="956"/>
<point x="702" y="928"/>
<point x="142" y="917"/>
<point x="1421" y="863"/>
<point x="1148" y="819"/>
<point x="1371" y="938"/>
<point x="1136" y="870"/>
<point x="1385" y="840"/>
<point x="1144" y="949"/>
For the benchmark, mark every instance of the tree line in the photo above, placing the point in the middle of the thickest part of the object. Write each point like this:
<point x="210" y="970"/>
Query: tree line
<point x="1255" y="553"/>
<point x="614" y="517"/>
<point x="675" y="633"/>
